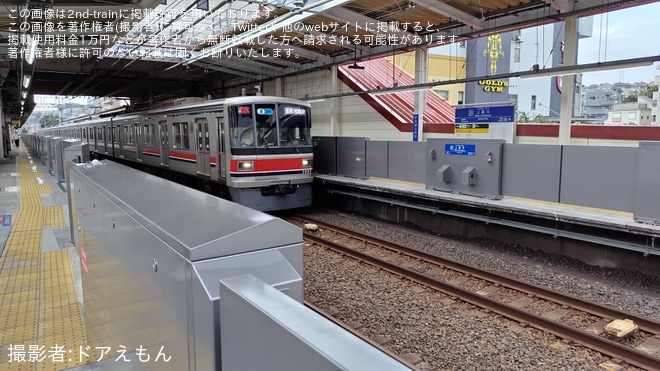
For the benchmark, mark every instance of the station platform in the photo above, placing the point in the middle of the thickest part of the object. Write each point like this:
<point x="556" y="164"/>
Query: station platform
<point x="534" y="215"/>
<point x="41" y="323"/>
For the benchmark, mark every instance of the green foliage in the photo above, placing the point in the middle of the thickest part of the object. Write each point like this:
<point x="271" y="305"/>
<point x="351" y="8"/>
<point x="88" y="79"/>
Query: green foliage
<point x="49" y="120"/>
<point x="540" y="119"/>
<point x="632" y="98"/>
<point x="648" y="92"/>
<point x="523" y="117"/>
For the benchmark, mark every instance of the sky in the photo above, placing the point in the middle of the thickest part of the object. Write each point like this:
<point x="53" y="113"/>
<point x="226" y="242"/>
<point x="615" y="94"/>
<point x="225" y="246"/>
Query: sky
<point x="623" y="34"/>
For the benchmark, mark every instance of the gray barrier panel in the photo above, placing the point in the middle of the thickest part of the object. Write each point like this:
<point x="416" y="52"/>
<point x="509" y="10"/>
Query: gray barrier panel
<point x="646" y="206"/>
<point x="407" y="161"/>
<point x="352" y="157"/>
<point x="466" y="166"/>
<point x="325" y="155"/>
<point x="52" y="151"/>
<point x="263" y="329"/>
<point x="377" y="159"/>
<point x="602" y="177"/>
<point x="152" y="255"/>
<point x="531" y="171"/>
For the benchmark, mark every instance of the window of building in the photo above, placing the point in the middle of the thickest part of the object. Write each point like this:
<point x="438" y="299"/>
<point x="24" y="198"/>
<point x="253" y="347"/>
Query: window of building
<point x="443" y="93"/>
<point x="513" y="98"/>
<point x="203" y="4"/>
<point x="616" y="117"/>
<point x="181" y="139"/>
<point x="516" y="55"/>
<point x="533" y="102"/>
<point x="461" y="97"/>
<point x="632" y="115"/>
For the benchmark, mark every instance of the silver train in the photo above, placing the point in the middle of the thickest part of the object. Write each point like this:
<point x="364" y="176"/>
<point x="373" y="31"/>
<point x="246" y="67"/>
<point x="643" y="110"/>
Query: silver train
<point x="253" y="150"/>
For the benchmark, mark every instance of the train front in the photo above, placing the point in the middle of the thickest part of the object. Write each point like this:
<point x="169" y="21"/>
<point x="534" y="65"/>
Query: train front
<point x="270" y="152"/>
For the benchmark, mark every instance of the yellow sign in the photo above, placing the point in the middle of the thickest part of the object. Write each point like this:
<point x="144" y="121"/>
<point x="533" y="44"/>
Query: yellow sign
<point x="494" y="52"/>
<point x="471" y="128"/>
<point x="494" y="86"/>
<point x="15" y="122"/>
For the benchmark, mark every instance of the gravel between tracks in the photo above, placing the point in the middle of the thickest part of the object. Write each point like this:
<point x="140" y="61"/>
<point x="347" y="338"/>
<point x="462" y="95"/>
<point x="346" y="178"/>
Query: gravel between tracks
<point x="451" y="335"/>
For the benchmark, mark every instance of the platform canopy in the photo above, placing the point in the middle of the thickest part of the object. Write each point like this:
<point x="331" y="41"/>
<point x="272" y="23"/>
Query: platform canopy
<point x="139" y="48"/>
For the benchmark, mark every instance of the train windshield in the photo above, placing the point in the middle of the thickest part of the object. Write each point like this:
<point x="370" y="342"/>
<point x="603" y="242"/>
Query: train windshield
<point x="281" y="126"/>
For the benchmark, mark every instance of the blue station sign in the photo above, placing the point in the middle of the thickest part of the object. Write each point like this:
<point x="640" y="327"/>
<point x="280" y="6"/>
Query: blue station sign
<point x="485" y="114"/>
<point x="460" y="149"/>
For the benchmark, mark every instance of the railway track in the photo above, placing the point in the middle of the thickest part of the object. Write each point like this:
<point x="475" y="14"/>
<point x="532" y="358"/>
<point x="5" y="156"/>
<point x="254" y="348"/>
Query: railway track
<point x="424" y="268"/>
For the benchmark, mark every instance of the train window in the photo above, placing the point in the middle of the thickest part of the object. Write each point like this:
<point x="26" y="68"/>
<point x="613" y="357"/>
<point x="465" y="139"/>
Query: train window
<point x="149" y="135"/>
<point x="241" y="123"/>
<point x="266" y="119"/>
<point x="181" y="139"/>
<point x="295" y="125"/>
<point x="276" y="125"/>
<point x="128" y="135"/>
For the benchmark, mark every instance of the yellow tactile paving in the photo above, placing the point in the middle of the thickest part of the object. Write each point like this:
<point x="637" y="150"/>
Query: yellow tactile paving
<point x="40" y="316"/>
<point x="577" y="207"/>
<point x="53" y="217"/>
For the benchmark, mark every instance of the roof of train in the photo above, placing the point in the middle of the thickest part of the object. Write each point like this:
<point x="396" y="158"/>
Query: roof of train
<point x="184" y="108"/>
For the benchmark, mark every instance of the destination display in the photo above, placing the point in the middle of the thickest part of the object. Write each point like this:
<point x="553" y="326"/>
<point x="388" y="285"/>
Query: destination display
<point x="495" y="122"/>
<point x="485" y="114"/>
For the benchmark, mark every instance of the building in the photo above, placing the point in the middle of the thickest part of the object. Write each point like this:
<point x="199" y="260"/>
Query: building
<point x="445" y="63"/>
<point x="522" y="50"/>
<point x="596" y="103"/>
<point x="638" y="113"/>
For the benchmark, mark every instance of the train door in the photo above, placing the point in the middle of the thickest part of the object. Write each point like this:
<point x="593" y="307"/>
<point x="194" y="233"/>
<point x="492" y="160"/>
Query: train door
<point x="164" y="144"/>
<point x="221" y="149"/>
<point x="121" y="138"/>
<point x="203" y="147"/>
<point x="112" y="137"/>
<point x="139" y="139"/>
<point x="106" y="138"/>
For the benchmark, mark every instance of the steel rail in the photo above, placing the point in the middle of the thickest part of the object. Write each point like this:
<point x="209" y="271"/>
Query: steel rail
<point x="644" y="323"/>
<point x="605" y="346"/>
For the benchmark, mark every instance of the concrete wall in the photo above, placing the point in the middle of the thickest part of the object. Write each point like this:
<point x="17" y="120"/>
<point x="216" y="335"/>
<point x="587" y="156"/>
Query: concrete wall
<point x="600" y="177"/>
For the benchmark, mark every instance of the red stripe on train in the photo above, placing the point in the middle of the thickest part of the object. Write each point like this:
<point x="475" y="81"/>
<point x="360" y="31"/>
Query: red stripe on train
<point x="274" y="164"/>
<point x="179" y="155"/>
<point x="151" y="151"/>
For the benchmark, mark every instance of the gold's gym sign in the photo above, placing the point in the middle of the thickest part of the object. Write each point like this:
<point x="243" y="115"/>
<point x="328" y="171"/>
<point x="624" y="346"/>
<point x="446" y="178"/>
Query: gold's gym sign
<point x="494" y="86"/>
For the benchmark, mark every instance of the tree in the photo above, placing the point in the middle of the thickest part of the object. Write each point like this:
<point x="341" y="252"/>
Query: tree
<point x="540" y="119"/>
<point x="648" y="92"/>
<point x="523" y="117"/>
<point x="49" y="120"/>
<point x="631" y="98"/>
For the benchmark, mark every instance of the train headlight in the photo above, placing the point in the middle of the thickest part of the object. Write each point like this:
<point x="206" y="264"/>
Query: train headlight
<point x="307" y="162"/>
<point x="245" y="165"/>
